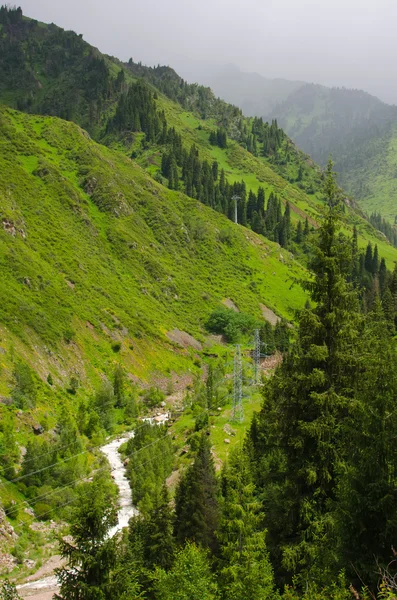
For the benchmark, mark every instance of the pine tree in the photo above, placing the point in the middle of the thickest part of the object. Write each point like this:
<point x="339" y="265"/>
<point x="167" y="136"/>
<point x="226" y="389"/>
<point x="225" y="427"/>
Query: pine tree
<point x="296" y="436"/>
<point x="355" y="257"/>
<point x="251" y="205"/>
<point x="215" y="169"/>
<point x="260" y="207"/>
<point x="389" y="309"/>
<point x="119" y="385"/>
<point x="126" y="584"/>
<point x="368" y="263"/>
<point x="375" y="261"/>
<point x="287" y="223"/>
<point x="104" y="405"/>
<point x="367" y="488"/>
<point x="267" y="338"/>
<point x="92" y="555"/>
<point x="189" y="579"/>
<point x="282" y="336"/>
<point x="159" y="540"/>
<point x="383" y="277"/>
<point x="244" y="567"/>
<point x="196" y="501"/>
<point x="393" y="282"/>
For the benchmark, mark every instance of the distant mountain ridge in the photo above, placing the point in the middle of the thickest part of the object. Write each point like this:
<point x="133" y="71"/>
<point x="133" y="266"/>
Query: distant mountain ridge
<point x="325" y="120"/>
<point x="352" y="125"/>
<point x="255" y="94"/>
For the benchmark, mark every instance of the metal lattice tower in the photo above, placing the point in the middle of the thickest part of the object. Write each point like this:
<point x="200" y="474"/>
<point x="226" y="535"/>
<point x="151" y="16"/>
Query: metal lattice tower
<point x="257" y="356"/>
<point x="238" y="411"/>
<point x="235" y="198"/>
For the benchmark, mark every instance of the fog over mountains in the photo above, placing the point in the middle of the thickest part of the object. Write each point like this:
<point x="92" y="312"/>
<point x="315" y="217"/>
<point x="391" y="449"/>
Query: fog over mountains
<point x="350" y="44"/>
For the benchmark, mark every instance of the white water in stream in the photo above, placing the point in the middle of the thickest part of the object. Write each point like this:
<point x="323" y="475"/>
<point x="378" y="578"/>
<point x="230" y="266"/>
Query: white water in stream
<point x="126" y="508"/>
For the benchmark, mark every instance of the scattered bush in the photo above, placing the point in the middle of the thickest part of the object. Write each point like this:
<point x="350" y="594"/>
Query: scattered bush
<point x="153" y="397"/>
<point x="69" y="335"/>
<point x="231" y="324"/>
<point x="227" y="236"/>
<point x="24" y="390"/>
<point x="10" y="509"/>
<point x="42" y="511"/>
<point x="73" y="386"/>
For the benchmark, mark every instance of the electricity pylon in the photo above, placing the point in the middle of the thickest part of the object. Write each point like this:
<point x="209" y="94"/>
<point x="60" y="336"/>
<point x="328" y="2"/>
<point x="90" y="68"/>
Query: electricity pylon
<point x="257" y="356"/>
<point x="235" y="198"/>
<point x="238" y="411"/>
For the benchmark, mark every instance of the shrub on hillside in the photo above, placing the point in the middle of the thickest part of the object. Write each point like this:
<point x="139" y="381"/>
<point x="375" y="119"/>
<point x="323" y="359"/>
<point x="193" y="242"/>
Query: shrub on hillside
<point x="24" y="389"/>
<point x="153" y="397"/>
<point x="231" y="324"/>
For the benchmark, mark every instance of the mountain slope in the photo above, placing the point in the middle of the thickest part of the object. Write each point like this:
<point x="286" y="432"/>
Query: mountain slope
<point x="146" y="237"/>
<point x="101" y="266"/>
<point x="370" y="170"/>
<point x="105" y="260"/>
<point x="94" y="251"/>
<point x="353" y="126"/>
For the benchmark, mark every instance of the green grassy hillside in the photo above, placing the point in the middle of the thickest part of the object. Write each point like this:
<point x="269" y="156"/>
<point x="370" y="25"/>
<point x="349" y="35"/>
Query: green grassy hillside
<point x="371" y="174"/>
<point x="57" y="72"/>
<point x="109" y="256"/>
<point x="102" y="266"/>
<point x="95" y="252"/>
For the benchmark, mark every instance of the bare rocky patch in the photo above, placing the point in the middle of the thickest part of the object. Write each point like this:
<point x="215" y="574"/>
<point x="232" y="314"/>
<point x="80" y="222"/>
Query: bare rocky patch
<point x="183" y="339"/>
<point x="230" y="304"/>
<point x="269" y="315"/>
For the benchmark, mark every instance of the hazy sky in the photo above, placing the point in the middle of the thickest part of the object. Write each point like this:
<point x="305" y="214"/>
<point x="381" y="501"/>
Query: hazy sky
<point x="342" y="42"/>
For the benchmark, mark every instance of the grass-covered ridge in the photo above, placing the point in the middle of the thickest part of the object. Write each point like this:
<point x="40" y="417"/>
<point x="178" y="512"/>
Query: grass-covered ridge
<point x="95" y="253"/>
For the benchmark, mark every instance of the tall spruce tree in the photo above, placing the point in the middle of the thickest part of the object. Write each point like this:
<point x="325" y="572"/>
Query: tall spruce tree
<point x="189" y="579"/>
<point x="196" y="500"/>
<point x="159" y="542"/>
<point x="383" y="277"/>
<point x="91" y="556"/>
<point x="295" y="438"/>
<point x="306" y="228"/>
<point x="368" y="258"/>
<point x="244" y="566"/>
<point x="367" y="488"/>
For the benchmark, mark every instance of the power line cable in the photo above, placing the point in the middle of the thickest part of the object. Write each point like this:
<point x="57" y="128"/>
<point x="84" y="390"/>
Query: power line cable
<point x="59" y="462"/>
<point x="15" y="507"/>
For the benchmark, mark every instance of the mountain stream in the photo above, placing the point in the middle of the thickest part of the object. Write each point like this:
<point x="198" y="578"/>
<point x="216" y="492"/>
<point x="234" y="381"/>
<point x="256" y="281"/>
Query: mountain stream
<point x="43" y="588"/>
